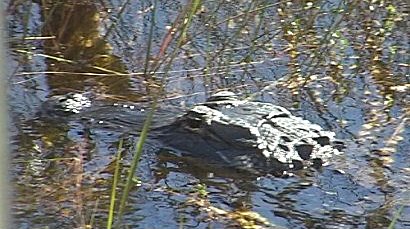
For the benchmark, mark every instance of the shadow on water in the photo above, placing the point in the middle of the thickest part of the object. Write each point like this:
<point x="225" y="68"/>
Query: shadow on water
<point x="342" y="65"/>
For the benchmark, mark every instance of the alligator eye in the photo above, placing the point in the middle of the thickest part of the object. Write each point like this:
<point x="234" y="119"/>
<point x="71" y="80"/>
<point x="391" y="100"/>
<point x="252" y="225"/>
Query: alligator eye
<point x="304" y="151"/>
<point x="322" y="140"/>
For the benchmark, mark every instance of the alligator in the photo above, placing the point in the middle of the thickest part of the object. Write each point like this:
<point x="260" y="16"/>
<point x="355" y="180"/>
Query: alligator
<point x="250" y="135"/>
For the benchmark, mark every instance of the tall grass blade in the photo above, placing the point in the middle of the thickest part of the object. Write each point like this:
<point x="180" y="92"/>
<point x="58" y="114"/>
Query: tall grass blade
<point x="395" y="217"/>
<point x="135" y="161"/>
<point x="195" y="6"/>
<point x="150" y="35"/>
<point x="144" y="132"/>
<point x="114" y="185"/>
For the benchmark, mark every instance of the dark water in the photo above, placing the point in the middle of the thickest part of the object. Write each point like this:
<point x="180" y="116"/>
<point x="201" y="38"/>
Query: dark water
<point x="341" y="64"/>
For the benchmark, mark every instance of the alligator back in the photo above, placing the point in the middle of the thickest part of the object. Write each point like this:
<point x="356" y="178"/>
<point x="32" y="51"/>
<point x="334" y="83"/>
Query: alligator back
<point x="251" y="134"/>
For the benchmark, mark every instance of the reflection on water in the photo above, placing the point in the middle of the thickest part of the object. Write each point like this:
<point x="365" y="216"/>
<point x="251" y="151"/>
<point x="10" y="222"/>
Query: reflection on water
<point x="340" y="64"/>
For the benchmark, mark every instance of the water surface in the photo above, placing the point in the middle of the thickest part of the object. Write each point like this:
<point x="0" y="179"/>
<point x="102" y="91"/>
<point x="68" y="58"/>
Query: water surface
<point x="341" y="64"/>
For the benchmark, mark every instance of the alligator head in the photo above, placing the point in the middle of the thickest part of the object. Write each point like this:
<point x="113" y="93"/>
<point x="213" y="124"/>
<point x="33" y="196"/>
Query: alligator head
<point x="250" y="135"/>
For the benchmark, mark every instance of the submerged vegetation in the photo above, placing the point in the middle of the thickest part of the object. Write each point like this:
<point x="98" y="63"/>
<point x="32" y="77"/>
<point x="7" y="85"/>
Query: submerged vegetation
<point x="343" y="64"/>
